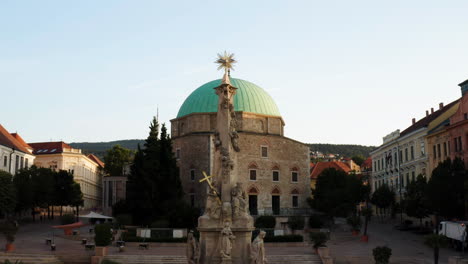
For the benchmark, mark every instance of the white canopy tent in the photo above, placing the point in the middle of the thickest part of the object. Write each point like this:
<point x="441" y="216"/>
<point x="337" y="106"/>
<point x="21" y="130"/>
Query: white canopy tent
<point x="95" y="216"/>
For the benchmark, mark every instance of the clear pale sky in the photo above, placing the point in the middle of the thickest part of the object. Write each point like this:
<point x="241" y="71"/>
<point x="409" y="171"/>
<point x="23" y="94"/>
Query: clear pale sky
<point x="339" y="71"/>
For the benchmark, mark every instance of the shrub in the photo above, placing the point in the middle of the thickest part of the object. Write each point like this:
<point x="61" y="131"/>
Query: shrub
<point x="296" y="222"/>
<point x="103" y="235"/>
<point x="315" y="221"/>
<point x="161" y="223"/>
<point x="354" y="222"/>
<point x="9" y="229"/>
<point x="9" y="262"/>
<point x="107" y="261"/>
<point x="124" y="219"/>
<point x="319" y="239"/>
<point x="382" y="254"/>
<point x="285" y="238"/>
<point x="270" y="232"/>
<point x="265" y="221"/>
<point x="408" y="222"/>
<point x="67" y="219"/>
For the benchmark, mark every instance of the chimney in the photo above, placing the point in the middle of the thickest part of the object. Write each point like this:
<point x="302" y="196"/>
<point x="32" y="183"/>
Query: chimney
<point x="441" y="105"/>
<point x="464" y="87"/>
<point x="427" y="113"/>
<point x="432" y="110"/>
<point x="414" y="121"/>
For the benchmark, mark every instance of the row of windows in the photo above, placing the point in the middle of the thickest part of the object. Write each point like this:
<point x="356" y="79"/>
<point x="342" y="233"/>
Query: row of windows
<point x="263" y="152"/>
<point x="391" y="161"/>
<point x="253" y="203"/>
<point x="20" y="162"/>
<point x="437" y="150"/>
<point x="391" y="183"/>
<point x="253" y="175"/>
<point x="275" y="175"/>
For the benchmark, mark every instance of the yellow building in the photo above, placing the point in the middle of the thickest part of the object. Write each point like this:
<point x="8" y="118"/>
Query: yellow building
<point x="86" y="170"/>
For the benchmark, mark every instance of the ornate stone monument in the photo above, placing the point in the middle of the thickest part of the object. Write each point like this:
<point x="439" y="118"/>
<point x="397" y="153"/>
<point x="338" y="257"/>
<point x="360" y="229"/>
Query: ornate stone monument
<point x="226" y="226"/>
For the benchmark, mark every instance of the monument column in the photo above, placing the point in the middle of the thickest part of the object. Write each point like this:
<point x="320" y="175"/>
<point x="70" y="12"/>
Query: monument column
<point x="226" y="226"/>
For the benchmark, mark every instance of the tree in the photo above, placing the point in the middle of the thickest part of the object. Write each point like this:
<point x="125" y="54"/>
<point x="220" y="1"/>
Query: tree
<point x="154" y="190"/>
<point x="24" y="190"/>
<point x="43" y="185"/>
<point x="76" y="198"/>
<point x="115" y="160"/>
<point x="63" y="188"/>
<point x="7" y="194"/>
<point x="446" y="189"/>
<point x="337" y="193"/>
<point x="415" y="203"/>
<point x="383" y="197"/>
<point x="358" y="159"/>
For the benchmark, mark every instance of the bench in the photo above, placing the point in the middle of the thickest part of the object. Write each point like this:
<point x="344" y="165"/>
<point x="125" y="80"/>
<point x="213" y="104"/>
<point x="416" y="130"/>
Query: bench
<point x="143" y="246"/>
<point x="89" y="246"/>
<point x="121" y="248"/>
<point x="120" y="243"/>
<point x="48" y="241"/>
<point x="52" y="247"/>
<point x="84" y="241"/>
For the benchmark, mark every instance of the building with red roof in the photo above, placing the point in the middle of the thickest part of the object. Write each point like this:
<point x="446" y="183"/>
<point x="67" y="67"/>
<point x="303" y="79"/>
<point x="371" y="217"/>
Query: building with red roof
<point x="15" y="154"/>
<point x="86" y="169"/>
<point x="318" y="168"/>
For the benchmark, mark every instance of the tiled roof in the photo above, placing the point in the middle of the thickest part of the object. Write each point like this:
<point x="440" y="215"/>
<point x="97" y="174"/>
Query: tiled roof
<point x="49" y="147"/>
<point x="367" y="163"/>
<point x="6" y="139"/>
<point x="96" y="159"/>
<point x="21" y="140"/>
<point x="321" y="166"/>
<point x="424" y="122"/>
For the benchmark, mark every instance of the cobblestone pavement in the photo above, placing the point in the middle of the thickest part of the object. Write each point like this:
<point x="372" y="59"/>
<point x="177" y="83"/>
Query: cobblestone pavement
<point x="406" y="247"/>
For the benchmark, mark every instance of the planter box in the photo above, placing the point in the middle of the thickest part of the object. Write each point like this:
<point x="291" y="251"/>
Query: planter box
<point x="9" y="247"/>
<point x="101" y="251"/>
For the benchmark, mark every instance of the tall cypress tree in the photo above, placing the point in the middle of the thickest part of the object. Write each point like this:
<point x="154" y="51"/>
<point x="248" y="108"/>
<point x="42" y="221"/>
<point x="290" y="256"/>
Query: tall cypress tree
<point x="154" y="190"/>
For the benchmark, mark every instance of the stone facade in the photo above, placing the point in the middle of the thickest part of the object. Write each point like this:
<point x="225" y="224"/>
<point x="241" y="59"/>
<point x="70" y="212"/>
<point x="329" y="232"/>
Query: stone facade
<point x="113" y="190"/>
<point x="272" y="181"/>
<point x="403" y="156"/>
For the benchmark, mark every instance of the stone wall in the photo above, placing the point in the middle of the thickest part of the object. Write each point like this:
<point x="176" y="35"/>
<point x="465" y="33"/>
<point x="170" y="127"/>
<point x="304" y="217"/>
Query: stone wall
<point x="283" y="155"/>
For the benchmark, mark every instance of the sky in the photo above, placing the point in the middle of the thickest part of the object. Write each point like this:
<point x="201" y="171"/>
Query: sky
<point x="341" y="72"/>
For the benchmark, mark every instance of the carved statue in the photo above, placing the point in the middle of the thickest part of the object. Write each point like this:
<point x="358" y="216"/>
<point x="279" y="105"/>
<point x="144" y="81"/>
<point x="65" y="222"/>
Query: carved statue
<point x="216" y="140"/>
<point x="213" y="205"/>
<point x="227" y="239"/>
<point x="239" y="201"/>
<point x="192" y="249"/>
<point x="258" y="250"/>
<point x="234" y="140"/>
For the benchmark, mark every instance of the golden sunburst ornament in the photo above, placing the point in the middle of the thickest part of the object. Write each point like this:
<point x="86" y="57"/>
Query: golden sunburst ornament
<point x="226" y="61"/>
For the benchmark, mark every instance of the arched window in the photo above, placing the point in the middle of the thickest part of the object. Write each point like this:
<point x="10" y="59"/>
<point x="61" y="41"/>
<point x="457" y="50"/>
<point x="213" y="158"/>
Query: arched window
<point x="253" y="200"/>
<point x="275" y="201"/>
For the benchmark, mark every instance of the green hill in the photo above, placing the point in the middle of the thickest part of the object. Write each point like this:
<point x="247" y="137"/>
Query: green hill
<point x="99" y="148"/>
<point x="343" y="150"/>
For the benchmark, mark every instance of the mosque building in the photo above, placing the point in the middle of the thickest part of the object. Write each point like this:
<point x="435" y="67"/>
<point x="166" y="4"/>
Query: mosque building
<point x="273" y="169"/>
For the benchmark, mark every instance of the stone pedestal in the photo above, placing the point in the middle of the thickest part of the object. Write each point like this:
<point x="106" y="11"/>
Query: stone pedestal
<point x="210" y="246"/>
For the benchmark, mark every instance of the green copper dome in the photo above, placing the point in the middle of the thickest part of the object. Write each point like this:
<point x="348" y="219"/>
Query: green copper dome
<point x="248" y="98"/>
